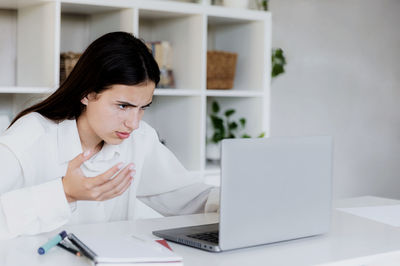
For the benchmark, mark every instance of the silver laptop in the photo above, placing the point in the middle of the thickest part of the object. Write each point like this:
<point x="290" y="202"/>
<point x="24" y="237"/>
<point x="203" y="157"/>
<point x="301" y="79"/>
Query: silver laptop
<point x="272" y="189"/>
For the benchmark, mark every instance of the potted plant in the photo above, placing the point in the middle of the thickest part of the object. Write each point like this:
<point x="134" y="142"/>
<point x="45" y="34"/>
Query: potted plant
<point x="224" y="127"/>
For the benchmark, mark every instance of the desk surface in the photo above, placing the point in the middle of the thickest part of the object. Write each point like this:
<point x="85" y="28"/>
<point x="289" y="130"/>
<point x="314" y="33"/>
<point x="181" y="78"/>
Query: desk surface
<point x="350" y="237"/>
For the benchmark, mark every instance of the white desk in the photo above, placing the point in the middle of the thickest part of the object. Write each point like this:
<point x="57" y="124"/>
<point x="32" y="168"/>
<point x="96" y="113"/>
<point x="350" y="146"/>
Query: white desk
<point x="350" y="237"/>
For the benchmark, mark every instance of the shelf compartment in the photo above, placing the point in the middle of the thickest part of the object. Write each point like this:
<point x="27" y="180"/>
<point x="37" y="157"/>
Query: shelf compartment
<point x="249" y="108"/>
<point x="184" y="32"/>
<point x="8" y="53"/>
<point x="82" y="24"/>
<point x="247" y="39"/>
<point x="36" y="44"/>
<point x="176" y="120"/>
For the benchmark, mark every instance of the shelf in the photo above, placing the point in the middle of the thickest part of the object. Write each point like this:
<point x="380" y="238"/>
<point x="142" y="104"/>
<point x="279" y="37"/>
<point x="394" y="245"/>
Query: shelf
<point x="14" y="4"/>
<point x="35" y="90"/>
<point x="35" y="32"/>
<point x="234" y="93"/>
<point x="229" y="15"/>
<point x="78" y="7"/>
<point x="176" y="92"/>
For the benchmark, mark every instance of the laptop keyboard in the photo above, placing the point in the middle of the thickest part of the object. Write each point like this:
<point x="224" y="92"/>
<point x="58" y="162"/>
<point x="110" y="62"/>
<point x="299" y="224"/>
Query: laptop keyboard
<point x="207" y="236"/>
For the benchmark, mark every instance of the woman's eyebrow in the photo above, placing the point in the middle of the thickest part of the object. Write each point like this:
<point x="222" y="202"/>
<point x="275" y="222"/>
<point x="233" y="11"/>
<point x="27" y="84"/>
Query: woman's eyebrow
<point x="133" y="105"/>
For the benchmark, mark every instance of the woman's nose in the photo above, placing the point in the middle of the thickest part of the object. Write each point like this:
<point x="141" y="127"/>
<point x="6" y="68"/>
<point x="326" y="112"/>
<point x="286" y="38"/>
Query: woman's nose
<point x="132" y="122"/>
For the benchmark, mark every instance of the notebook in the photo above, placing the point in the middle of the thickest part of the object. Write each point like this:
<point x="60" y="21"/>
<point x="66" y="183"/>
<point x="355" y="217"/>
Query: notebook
<point x="272" y="189"/>
<point x="124" y="250"/>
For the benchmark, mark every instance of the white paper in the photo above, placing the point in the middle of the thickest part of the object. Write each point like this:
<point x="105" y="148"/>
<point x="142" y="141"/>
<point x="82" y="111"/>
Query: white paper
<point x="110" y="248"/>
<point x="384" y="214"/>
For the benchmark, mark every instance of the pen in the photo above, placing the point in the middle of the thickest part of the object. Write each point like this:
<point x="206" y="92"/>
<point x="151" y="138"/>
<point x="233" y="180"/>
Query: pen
<point x="52" y="242"/>
<point x="72" y="250"/>
<point x="82" y="247"/>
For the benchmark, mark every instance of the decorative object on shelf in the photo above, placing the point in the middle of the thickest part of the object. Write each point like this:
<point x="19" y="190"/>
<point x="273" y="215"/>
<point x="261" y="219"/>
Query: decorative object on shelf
<point x="162" y="52"/>
<point x="221" y="67"/>
<point x="236" y="3"/>
<point x="278" y="62"/>
<point x="223" y="128"/>
<point x="67" y="62"/>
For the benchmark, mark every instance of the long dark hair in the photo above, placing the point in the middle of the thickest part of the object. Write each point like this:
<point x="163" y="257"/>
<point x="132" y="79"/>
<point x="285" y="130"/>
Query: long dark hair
<point x="114" y="58"/>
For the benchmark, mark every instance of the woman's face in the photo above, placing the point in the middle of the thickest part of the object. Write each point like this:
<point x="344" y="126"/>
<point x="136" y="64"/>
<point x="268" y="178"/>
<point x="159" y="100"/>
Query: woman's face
<point x="115" y="112"/>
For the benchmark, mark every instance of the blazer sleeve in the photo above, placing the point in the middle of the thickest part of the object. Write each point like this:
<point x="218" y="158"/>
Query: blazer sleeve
<point x="167" y="187"/>
<point x="195" y="198"/>
<point x="28" y="210"/>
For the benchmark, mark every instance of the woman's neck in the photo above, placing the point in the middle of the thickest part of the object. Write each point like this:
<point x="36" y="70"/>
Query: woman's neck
<point x="89" y="139"/>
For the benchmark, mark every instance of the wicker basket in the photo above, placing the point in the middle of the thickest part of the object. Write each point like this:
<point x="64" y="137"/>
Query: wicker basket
<point x="221" y="68"/>
<point x="67" y="63"/>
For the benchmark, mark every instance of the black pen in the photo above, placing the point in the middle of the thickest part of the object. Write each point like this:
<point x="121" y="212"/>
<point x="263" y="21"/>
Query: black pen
<point x="73" y="251"/>
<point x="86" y="251"/>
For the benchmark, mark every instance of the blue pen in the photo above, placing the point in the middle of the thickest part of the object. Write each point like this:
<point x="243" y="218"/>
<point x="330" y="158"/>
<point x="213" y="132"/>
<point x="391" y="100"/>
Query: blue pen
<point x="52" y="242"/>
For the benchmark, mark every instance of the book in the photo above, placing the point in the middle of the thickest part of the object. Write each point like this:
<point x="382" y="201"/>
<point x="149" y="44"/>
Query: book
<point x="108" y="250"/>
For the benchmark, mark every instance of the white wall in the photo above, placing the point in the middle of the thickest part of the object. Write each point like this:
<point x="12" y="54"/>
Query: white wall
<point x="343" y="79"/>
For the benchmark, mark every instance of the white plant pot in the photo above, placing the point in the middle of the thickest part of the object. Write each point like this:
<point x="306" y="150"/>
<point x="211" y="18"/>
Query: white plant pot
<point x="236" y="3"/>
<point x="213" y="151"/>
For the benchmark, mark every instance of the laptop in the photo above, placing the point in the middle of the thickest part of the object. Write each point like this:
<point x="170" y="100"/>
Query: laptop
<point x="272" y="189"/>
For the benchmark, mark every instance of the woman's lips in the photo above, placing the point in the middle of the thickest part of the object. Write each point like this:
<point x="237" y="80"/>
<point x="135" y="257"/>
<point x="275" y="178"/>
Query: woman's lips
<point x="123" y="135"/>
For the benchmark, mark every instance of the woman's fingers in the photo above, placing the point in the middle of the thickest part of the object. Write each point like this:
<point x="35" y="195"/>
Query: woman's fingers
<point x="108" y="188"/>
<point x="106" y="176"/>
<point x="104" y="186"/>
<point x="118" y="189"/>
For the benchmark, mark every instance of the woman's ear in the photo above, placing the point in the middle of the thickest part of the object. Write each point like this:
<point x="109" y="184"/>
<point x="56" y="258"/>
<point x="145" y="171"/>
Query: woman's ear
<point x="91" y="96"/>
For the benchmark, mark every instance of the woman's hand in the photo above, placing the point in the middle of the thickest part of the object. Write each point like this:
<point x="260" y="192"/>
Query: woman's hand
<point x="78" y="187"/>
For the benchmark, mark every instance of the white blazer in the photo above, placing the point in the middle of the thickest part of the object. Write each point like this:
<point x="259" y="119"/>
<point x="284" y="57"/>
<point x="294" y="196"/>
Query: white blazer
<point x="34" y="155"/>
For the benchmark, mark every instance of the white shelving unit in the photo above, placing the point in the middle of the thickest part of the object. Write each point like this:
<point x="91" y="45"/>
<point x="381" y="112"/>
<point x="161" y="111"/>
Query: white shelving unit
<point x="35" y="32"/>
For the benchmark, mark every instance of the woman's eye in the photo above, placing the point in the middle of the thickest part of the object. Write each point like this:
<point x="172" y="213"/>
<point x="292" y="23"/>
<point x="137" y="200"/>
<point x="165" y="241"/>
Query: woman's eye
<point x="122" y="106"/>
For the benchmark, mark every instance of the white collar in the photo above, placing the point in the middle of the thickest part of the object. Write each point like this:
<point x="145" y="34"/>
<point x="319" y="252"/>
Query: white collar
<point x="69" y="144"/>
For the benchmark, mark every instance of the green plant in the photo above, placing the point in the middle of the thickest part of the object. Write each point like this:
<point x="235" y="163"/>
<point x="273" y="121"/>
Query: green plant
<point x="224" y="126"/>
<point x="278" y="61"/>
<point x="264" y="4"/>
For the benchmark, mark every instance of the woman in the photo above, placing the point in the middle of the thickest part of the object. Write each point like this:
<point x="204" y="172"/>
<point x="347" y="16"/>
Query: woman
<point x="83" y="154"/>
